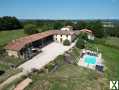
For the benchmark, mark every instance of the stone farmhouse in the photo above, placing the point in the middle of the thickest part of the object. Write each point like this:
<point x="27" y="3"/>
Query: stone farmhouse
<point x="26" y="47"/>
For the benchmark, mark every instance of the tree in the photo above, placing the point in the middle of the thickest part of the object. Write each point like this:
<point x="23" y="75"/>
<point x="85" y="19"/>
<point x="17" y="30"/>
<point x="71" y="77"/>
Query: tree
<point x="97" y="28"/>
<point x="80" y="25"/>
<point x="58" y="25"/>
<point x="115" y="31"/>
<point x="9" y="23"/>
<point x="80" y="43"/>
<point x="69" y="23"/>
<point x="66" y="42"/>
<point x="2" y="50"/>
<point x="30" y="29"/>
<point x="83" y="36"/>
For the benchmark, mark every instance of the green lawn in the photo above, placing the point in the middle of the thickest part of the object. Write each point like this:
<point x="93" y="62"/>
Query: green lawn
<point x="6" y="62"/>
<point x="111" y="58"/>
<point x="7" y="36"/>
<point x="113" y="41"/>
<point x="69" y="77"/>
<point x="109" y="41"/>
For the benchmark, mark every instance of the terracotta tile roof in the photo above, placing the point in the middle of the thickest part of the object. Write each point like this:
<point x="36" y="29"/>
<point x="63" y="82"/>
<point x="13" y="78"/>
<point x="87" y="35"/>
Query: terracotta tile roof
<point x="86" y="30"/>
<point x="18" y="44"/>
<point x="59" y="32"/>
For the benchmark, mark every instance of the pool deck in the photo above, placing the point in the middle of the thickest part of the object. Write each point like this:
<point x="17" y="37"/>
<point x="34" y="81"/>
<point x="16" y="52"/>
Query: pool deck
<point x="99" y="61"/>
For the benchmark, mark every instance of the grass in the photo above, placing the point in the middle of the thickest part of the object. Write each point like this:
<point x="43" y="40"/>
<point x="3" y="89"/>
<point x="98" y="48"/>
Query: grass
<point x="8" y="74"/>
<point x="109" y="42"/>
<point x="7" y="36"/>
<point x="68" y="77"/>
<point x="12" y="85"/>
<point x="6" y="62"/>
<point x="110" y="51"/>
<point x="75" y="54"/>
<point x="5" y="65"/>
<point x="111" y="60"/>
<point x="113" y="41"/>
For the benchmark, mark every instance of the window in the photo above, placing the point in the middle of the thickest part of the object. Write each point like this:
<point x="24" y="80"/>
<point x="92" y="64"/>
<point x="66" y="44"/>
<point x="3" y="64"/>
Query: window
<point x="67" y="36"/>
<point x="61" y="40"/>
<point x="56" y="36"/>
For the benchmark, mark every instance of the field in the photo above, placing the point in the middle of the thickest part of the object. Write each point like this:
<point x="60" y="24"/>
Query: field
<point x="111" y="60"/>
<point x="7" y="36"/>
<point x="112" y="41"/>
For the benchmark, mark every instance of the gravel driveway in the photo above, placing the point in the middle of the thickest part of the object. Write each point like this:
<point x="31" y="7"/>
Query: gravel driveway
<point x="50" y="52"/>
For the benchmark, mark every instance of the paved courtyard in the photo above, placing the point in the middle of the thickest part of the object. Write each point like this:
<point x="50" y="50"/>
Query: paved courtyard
<point x="50" y="52"/>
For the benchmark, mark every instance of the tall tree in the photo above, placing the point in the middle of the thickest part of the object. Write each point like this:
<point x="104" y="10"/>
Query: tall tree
<point x="80" y="25"/>
<point x="9" y="23"/>
<point x="58" y="25"/>
<point x="96" y="27"/>
<point x="30" y="29"/>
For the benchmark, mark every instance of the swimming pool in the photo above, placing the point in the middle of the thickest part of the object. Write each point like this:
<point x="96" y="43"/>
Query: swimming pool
<point x="90" y="59"/>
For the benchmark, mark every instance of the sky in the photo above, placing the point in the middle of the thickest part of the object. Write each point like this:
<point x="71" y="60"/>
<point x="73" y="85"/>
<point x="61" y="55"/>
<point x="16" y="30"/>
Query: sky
<point x="60" y="9"/>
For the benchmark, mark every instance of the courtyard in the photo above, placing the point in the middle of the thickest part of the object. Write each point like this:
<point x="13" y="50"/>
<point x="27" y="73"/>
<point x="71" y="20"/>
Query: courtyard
<point x="49" y="53"/>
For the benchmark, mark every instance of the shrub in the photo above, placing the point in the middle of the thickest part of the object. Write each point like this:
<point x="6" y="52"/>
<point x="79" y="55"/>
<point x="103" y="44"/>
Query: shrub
<point x="35" y="70"/>
<point x="83" y="36"/>
<point x="80" y="43"/>
<point x="66" y="42"/>
<point x="91" y="47"/>
<point x="59" y="60"/>
<point x="2" y="51"/>
<point x="30" y="29"/>
<point x="50" y="66"/>
<point x="2" y="72"/>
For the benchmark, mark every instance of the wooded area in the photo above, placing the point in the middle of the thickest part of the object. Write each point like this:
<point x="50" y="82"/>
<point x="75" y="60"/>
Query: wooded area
<point x="9" y="23"/>
<point x="12" y="23"/>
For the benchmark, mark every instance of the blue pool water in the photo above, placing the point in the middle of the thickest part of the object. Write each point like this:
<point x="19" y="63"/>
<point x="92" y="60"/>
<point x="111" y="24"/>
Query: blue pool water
<point x="90" y="59"/>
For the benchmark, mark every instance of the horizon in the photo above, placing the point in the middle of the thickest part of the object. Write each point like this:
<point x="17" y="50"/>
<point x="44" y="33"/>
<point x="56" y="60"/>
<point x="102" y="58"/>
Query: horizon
<point x="61" y="10"/>
<point x="62" y="19"/>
